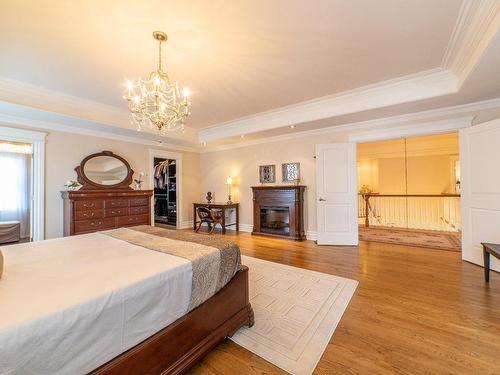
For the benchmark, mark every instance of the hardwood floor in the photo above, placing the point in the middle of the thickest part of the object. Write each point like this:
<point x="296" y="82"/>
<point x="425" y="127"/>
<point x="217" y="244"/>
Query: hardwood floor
<point x="416" y="311"/>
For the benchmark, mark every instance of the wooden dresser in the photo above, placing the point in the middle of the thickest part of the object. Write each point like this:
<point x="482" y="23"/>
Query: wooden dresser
<point x="93" y="210"/>
<point x="105" y="199"/>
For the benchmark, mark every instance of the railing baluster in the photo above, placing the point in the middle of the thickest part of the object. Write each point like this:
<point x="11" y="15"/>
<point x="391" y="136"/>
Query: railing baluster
<point x="438" y="214"/>
<point x="420" y="210"/>
<point x="448" y="200"/>
<point x="432" y="214"/>
<point x="393" y="212"/>
<point x="428" y="215"/>
<point x="410" y="213"/>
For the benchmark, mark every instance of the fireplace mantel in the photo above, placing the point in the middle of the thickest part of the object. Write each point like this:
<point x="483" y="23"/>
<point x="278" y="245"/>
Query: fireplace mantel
<point x="279" y="199"/>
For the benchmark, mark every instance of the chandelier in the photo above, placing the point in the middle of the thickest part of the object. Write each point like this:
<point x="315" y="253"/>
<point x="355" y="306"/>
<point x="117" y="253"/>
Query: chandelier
<point x="156" y="102"/>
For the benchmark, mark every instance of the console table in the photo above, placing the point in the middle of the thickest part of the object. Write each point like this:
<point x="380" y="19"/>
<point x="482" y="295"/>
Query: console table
<point x="220" y="206"/>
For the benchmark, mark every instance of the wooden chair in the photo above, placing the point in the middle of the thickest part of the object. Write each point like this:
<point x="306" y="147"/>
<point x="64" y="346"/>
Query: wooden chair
<point x="211" y="217"/>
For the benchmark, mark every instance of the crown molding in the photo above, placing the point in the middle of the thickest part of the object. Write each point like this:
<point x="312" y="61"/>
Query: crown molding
<point x="411" y="130"/>
<point x="477" y="23"/>
<point x="48" y="121"/>
<point x="21" y="135"/>
<point x="414" y="119"/>
<point x="423" y="152"/>
<point x="423" y="85"/>
<point x="25" y="94"/>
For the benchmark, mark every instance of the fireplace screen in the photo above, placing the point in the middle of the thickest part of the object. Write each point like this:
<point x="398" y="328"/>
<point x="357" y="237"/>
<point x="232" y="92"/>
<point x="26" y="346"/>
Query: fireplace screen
<point x="275" y="220"/>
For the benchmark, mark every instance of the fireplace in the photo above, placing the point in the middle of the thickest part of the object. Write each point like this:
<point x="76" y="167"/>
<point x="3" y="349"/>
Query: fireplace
<point x="278" y="211"/>
<point x="275" y="220"/>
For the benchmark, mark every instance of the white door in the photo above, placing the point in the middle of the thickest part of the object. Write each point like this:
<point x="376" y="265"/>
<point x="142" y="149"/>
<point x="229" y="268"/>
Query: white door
<point x="480" y="174"/>
<point x="336" y="194"/>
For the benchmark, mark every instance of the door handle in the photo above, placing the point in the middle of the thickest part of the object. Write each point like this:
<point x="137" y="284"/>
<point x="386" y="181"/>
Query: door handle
<point x="322" y="200"/>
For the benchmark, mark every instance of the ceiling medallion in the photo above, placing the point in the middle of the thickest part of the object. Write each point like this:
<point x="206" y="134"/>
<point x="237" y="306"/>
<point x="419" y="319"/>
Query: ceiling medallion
<point x="156" y="102"/>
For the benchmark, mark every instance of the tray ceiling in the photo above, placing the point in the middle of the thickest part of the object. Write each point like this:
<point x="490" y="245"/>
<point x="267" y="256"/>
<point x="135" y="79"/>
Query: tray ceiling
<point x="239" y="58"/>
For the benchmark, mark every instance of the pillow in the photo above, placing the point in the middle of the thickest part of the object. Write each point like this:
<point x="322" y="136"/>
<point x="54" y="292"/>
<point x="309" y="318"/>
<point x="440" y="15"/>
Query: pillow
<point x="1" y="264"/>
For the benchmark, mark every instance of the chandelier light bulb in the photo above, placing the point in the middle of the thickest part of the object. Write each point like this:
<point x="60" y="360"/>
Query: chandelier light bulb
<point x="157" y="81"/>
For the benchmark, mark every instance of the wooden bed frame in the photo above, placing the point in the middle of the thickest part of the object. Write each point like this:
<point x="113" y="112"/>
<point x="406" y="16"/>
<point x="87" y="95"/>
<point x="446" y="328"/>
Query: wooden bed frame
<point x="179" y="346"/>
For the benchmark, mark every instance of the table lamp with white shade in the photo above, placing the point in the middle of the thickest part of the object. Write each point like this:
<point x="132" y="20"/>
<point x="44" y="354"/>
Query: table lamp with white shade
<point x="229" y="182"/>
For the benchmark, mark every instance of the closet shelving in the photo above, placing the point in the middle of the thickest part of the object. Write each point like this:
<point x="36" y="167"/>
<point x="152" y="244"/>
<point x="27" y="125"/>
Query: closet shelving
<point x="165" y="192"/>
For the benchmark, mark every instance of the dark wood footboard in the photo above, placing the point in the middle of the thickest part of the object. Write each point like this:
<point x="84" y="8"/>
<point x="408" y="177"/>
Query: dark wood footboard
<point x="176" y="348"/>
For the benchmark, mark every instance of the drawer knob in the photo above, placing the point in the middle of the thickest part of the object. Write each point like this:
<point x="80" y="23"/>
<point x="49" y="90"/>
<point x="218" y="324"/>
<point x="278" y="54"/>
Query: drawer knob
<point x="94" y="224"/>
<point x="88" y="205"/>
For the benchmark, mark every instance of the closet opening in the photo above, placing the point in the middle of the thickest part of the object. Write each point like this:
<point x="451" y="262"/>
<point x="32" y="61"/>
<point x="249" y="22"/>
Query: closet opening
<point x="165" y="192"/>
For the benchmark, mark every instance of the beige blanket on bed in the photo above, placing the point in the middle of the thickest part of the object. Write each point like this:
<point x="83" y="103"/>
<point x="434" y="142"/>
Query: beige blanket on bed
<point x="214" y="261"/>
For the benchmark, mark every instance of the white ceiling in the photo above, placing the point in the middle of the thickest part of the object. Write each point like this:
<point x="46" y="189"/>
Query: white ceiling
<point x="238" y="57"/>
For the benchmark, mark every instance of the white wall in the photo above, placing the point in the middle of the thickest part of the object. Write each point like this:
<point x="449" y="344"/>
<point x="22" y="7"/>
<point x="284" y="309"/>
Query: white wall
<point x="64" y="151"/>
<point x="243" y="164"/>
<point x="430" y="164"/>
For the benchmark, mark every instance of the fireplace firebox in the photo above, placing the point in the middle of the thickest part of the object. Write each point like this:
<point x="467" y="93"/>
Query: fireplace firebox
<point x="278" y="211"/>
<point x="275" y="220"/>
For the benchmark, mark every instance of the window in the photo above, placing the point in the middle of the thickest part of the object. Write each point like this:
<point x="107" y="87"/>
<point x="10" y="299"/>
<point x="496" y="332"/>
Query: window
<point x="15" y="169"/>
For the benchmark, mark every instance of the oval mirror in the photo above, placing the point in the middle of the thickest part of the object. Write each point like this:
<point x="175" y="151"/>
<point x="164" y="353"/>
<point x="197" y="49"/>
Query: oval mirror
<point x="105" y="170"/>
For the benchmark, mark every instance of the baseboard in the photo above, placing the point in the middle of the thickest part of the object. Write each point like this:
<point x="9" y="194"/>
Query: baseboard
<point x="246" y="228"/>
<point x="311" y="235"/>
<point x="186" y="224"/>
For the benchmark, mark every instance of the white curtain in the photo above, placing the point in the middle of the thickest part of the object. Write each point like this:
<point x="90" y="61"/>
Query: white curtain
<point x="15" y="187"/>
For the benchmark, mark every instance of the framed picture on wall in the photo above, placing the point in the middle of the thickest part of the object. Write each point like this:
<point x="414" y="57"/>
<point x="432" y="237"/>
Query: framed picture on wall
<point x="290" y="172"/>
<point x="267" y="174"/>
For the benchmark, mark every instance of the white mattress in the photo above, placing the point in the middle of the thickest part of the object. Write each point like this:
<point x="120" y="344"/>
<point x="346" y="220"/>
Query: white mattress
<point x="69" y="305"/>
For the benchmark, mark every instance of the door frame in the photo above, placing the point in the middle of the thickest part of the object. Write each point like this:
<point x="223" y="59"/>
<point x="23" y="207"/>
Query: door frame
<point x="409" y="130"/>
<point x="155" y="153"/>
<point x="37" y="199"/>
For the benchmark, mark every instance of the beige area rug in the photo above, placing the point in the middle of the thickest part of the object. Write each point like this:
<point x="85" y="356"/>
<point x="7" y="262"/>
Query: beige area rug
<point x="296" y="313"/>
<point x="412" y="237"/>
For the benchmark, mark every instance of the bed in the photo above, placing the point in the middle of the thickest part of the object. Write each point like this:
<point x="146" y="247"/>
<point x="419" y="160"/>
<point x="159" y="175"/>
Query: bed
<point x="132" y="300"/>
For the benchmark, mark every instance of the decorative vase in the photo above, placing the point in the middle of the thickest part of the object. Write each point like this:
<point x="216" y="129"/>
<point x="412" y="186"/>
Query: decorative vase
<point x="138" y="186"/>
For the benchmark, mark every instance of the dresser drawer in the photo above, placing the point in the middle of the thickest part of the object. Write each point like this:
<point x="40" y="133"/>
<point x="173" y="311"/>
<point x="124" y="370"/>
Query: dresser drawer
<point x="88" y="205"/>
<point x="110" y="212"/>
<point x="89" y="214"/>
<point x="133" y="220"/>
<point x="95" y="224"/>
<point x="139" y="201"/>
<point x="139" y="210"/>
<point x="115" y="203"/>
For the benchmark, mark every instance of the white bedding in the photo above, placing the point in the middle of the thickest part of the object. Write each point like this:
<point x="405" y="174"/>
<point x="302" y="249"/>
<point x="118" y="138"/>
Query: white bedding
<point x="71" y="304"/>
